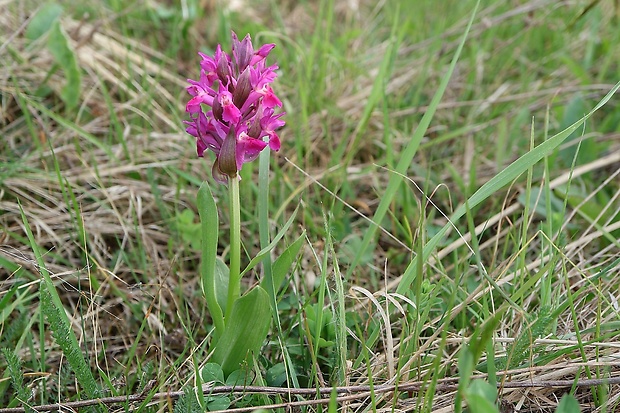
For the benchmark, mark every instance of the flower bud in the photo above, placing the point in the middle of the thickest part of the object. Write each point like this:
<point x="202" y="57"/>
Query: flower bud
<point x="228" y="155"/>
<point x="243" y="88"/>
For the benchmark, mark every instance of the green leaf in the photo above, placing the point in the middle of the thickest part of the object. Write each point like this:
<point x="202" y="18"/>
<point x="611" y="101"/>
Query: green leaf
<point x="209" y="222"/>
<point x="41" y="22"/>
<point x="222" y="274"/>
<point x="282" y="265"/>
<point x="188" y="402"/>
<point x="218" y="403"/>
<point x="481" y="397"/>
<point x="588" y="150"/>
<point x="59" y="46"/>
<point x="261" y="254"/>
<point x="538" y="200"/>
<point x="465" y="366"/>
<point x="189" y="230"/>
<point x="276" y="375"/>
<point x="322" y="343"/>
<point x="14" y="367"/>
<point x="238" y="378"/>
<point x="568" y="404"/>
<point x="520" y="349"/>
<point x="246" y="331"/>
<point x="66" y="340"/>
<point x="212" y="372"/>
<point x="221" y="277"/>
<point x="315" y="315"/>
<point x="7" y="304"/>
<point x="332" y="407"/>
<point x="482" y="336"/>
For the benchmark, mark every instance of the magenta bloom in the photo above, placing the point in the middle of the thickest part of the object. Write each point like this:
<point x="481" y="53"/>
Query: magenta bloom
<point x="232" y="107"/>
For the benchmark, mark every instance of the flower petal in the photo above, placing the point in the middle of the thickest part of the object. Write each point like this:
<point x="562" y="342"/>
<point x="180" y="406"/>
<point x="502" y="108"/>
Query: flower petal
<point x="248" y="149"/>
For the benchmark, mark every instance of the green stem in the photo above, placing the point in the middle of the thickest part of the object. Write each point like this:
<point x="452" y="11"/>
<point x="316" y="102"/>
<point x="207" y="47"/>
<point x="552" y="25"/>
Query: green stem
<point x="234" y="284"/>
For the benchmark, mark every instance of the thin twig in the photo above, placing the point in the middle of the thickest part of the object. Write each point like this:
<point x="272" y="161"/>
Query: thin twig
<point x="345" y="393"/>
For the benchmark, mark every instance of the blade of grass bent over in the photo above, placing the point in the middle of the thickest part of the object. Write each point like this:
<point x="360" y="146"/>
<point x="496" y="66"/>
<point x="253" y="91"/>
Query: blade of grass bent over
<point x="498" y="181"/>
<point x="409" y="152"/>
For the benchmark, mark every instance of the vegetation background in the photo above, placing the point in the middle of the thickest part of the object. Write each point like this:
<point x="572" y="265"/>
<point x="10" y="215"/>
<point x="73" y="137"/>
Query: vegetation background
<point x="98" y="184"/>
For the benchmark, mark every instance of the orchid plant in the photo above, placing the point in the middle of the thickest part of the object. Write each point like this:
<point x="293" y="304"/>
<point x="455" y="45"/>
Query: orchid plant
<point x="233" y="114"/>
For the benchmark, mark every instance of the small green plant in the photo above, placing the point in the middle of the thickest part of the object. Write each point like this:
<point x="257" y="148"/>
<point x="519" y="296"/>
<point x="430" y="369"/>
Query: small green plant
<point x="231" y="111"/>
<point x="46" y="22"/>
<point x="482" y="398"/>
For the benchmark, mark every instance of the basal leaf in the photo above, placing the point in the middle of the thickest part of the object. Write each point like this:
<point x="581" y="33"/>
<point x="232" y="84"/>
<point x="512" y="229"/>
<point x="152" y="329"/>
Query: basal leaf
<point x="218" y="403"/>
<point x="212" y="373"/>
<point x="209" y="222"/>
<point x="261" y="254"/>
<point x="481" y="397"/>
<point x="283" y="263"/>
<point x="568" y="404"/>
<point x="42" y="22"/>
<point x="222" y="275"/>
<point x="246" y="331"/>
<point x="59" y="46"/>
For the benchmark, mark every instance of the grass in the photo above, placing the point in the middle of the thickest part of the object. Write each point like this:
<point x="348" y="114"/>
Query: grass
<point x="454" y="225"/>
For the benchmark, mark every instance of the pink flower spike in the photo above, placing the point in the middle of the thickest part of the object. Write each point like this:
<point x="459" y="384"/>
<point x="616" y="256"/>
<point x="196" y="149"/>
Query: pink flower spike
<point x="209" y="64"/>
<point x="231" y="108"/>
<point x="270" y="122"/>
<point x="207" y="136"/>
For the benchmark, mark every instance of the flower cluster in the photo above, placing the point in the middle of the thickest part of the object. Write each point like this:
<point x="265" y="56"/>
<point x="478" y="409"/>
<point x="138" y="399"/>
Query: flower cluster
<point x="241" y="105"/>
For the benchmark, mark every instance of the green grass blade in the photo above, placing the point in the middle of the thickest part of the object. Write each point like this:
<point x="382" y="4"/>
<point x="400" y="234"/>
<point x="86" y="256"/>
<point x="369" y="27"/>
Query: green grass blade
<point x="339" y="312"/>
<point x="43" y="20"/>
<point x="377" y="93"/>
<point x="409" y="152"/>
<point x="499" y="181"/>
<point x="568" y="404"/>
<point x="59" y="322"/>
<point x="72" y="126"/>
<point x="481" y="397"/>
<point x="264" y="236"/>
